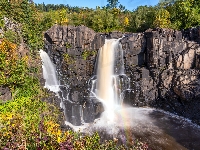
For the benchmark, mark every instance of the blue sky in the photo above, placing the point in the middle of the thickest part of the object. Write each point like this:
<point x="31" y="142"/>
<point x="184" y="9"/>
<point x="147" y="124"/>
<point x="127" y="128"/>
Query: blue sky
<point x="129" y="4"/>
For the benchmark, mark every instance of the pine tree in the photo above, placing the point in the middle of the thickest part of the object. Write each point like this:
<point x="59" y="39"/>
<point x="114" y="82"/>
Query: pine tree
<point x="112" y="3"/>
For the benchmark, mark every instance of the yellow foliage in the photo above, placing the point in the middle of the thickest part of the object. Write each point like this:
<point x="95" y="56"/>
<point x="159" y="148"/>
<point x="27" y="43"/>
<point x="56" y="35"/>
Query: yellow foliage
<point x="61" y="17"/>
<point x="162" y="19"/>
<point x="6" y="117"/>
<point x="116" y="11"/>
<point x="9" y="121"/>
<point x="126" y="21"/>
<point x="12" y="67"/>
<point x="64" y="21"/>
<point x="53" y="129"/>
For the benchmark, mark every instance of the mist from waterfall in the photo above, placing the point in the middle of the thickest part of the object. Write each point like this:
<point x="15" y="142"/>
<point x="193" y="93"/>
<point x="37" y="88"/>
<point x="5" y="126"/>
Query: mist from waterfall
<point x="109" y="82"/>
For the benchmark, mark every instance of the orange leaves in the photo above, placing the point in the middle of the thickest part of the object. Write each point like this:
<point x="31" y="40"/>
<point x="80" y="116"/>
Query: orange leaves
<point x="9" y="49"/>
<point x="12" y="67"/>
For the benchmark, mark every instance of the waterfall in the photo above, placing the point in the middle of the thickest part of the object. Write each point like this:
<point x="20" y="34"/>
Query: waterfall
<point x="111" y="79"/>
<point x="72" y="111"/>
<point x="49" y="73"/>
<point x="107" y="85"/>
<point x="105" y="72"/>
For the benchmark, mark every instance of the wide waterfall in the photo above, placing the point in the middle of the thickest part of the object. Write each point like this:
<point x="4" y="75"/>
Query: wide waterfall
<point x="111" y="80"/>
<point x="105" y="72"/>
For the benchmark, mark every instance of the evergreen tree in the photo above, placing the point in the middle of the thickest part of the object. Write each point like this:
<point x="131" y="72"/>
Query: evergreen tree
<point x="112" y="3"/>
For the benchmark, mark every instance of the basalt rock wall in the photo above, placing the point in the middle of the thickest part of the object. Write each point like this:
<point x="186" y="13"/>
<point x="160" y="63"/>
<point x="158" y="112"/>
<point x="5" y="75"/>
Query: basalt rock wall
<point x="163" y="66"/>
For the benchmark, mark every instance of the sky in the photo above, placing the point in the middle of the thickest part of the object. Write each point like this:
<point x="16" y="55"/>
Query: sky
<point x="129" y="4"/>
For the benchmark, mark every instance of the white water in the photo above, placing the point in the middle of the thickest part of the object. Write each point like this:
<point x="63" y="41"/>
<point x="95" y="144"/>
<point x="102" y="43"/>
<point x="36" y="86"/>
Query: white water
<point x="161" y="130"/>
<point x="49" y="73"/>
<point x="108" y="89"/>
<point x="105" y="72"/>
<point x="157" y="128"/>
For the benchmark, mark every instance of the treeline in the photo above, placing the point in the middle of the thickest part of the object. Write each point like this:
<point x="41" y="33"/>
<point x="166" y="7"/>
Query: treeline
<point x="179" y="14"/>
<point x="51" y="7"/>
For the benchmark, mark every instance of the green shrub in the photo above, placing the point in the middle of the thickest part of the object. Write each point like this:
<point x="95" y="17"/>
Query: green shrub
<point x="2" y="23"/>
<point x="33" y="23"/>
<point x="87" y="53"/>
<point x="12" y="36"/>
<point x="68" y="59"/>
<point x="184" y="13"/>
<point x="20" y="120"/>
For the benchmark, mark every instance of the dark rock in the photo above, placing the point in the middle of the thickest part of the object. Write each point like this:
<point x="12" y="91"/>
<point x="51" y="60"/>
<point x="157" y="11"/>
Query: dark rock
<point x="115" y="35"/>
<point x="162" y="66"/>
<point x="5" y="93"/>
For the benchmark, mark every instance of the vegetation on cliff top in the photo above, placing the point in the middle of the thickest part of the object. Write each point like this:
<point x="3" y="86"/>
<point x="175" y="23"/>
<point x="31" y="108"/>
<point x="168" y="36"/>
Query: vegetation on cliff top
<point x="179" y="14"/>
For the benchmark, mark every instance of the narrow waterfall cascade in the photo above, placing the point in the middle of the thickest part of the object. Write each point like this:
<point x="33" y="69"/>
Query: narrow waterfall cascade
<point x="72" y="112"/>
<point x="49" y="73"/>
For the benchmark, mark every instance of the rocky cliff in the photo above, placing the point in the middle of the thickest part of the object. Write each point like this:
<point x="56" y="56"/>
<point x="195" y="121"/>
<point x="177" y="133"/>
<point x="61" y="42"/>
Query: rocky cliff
<point x="163" y="66"/>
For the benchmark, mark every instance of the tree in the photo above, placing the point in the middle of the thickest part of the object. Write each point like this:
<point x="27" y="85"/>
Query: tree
<point x="162" y="19"/>
<point x="141" y="19"/>
<point x="112" y="3"/>
<point x="126" y="21"/>
<point x="121" y="7"/>
<point x="184" y="14"/>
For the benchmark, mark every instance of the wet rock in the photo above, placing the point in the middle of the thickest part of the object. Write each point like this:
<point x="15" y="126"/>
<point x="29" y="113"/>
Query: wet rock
<point x="162" y="66"/>
<point x="115" y="35"/>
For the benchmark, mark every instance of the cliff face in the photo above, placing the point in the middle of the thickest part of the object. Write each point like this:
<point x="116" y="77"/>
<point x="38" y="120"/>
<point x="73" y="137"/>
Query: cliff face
<point x="172" y="58"/>
<point x="163" y="66"/>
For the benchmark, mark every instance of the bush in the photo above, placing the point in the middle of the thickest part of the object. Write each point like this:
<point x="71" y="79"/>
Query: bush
<point x="23" y="127"/>
<point x="162" y="19"/>
<point x="13" y="69"/>
<point x="20" y="121"/>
